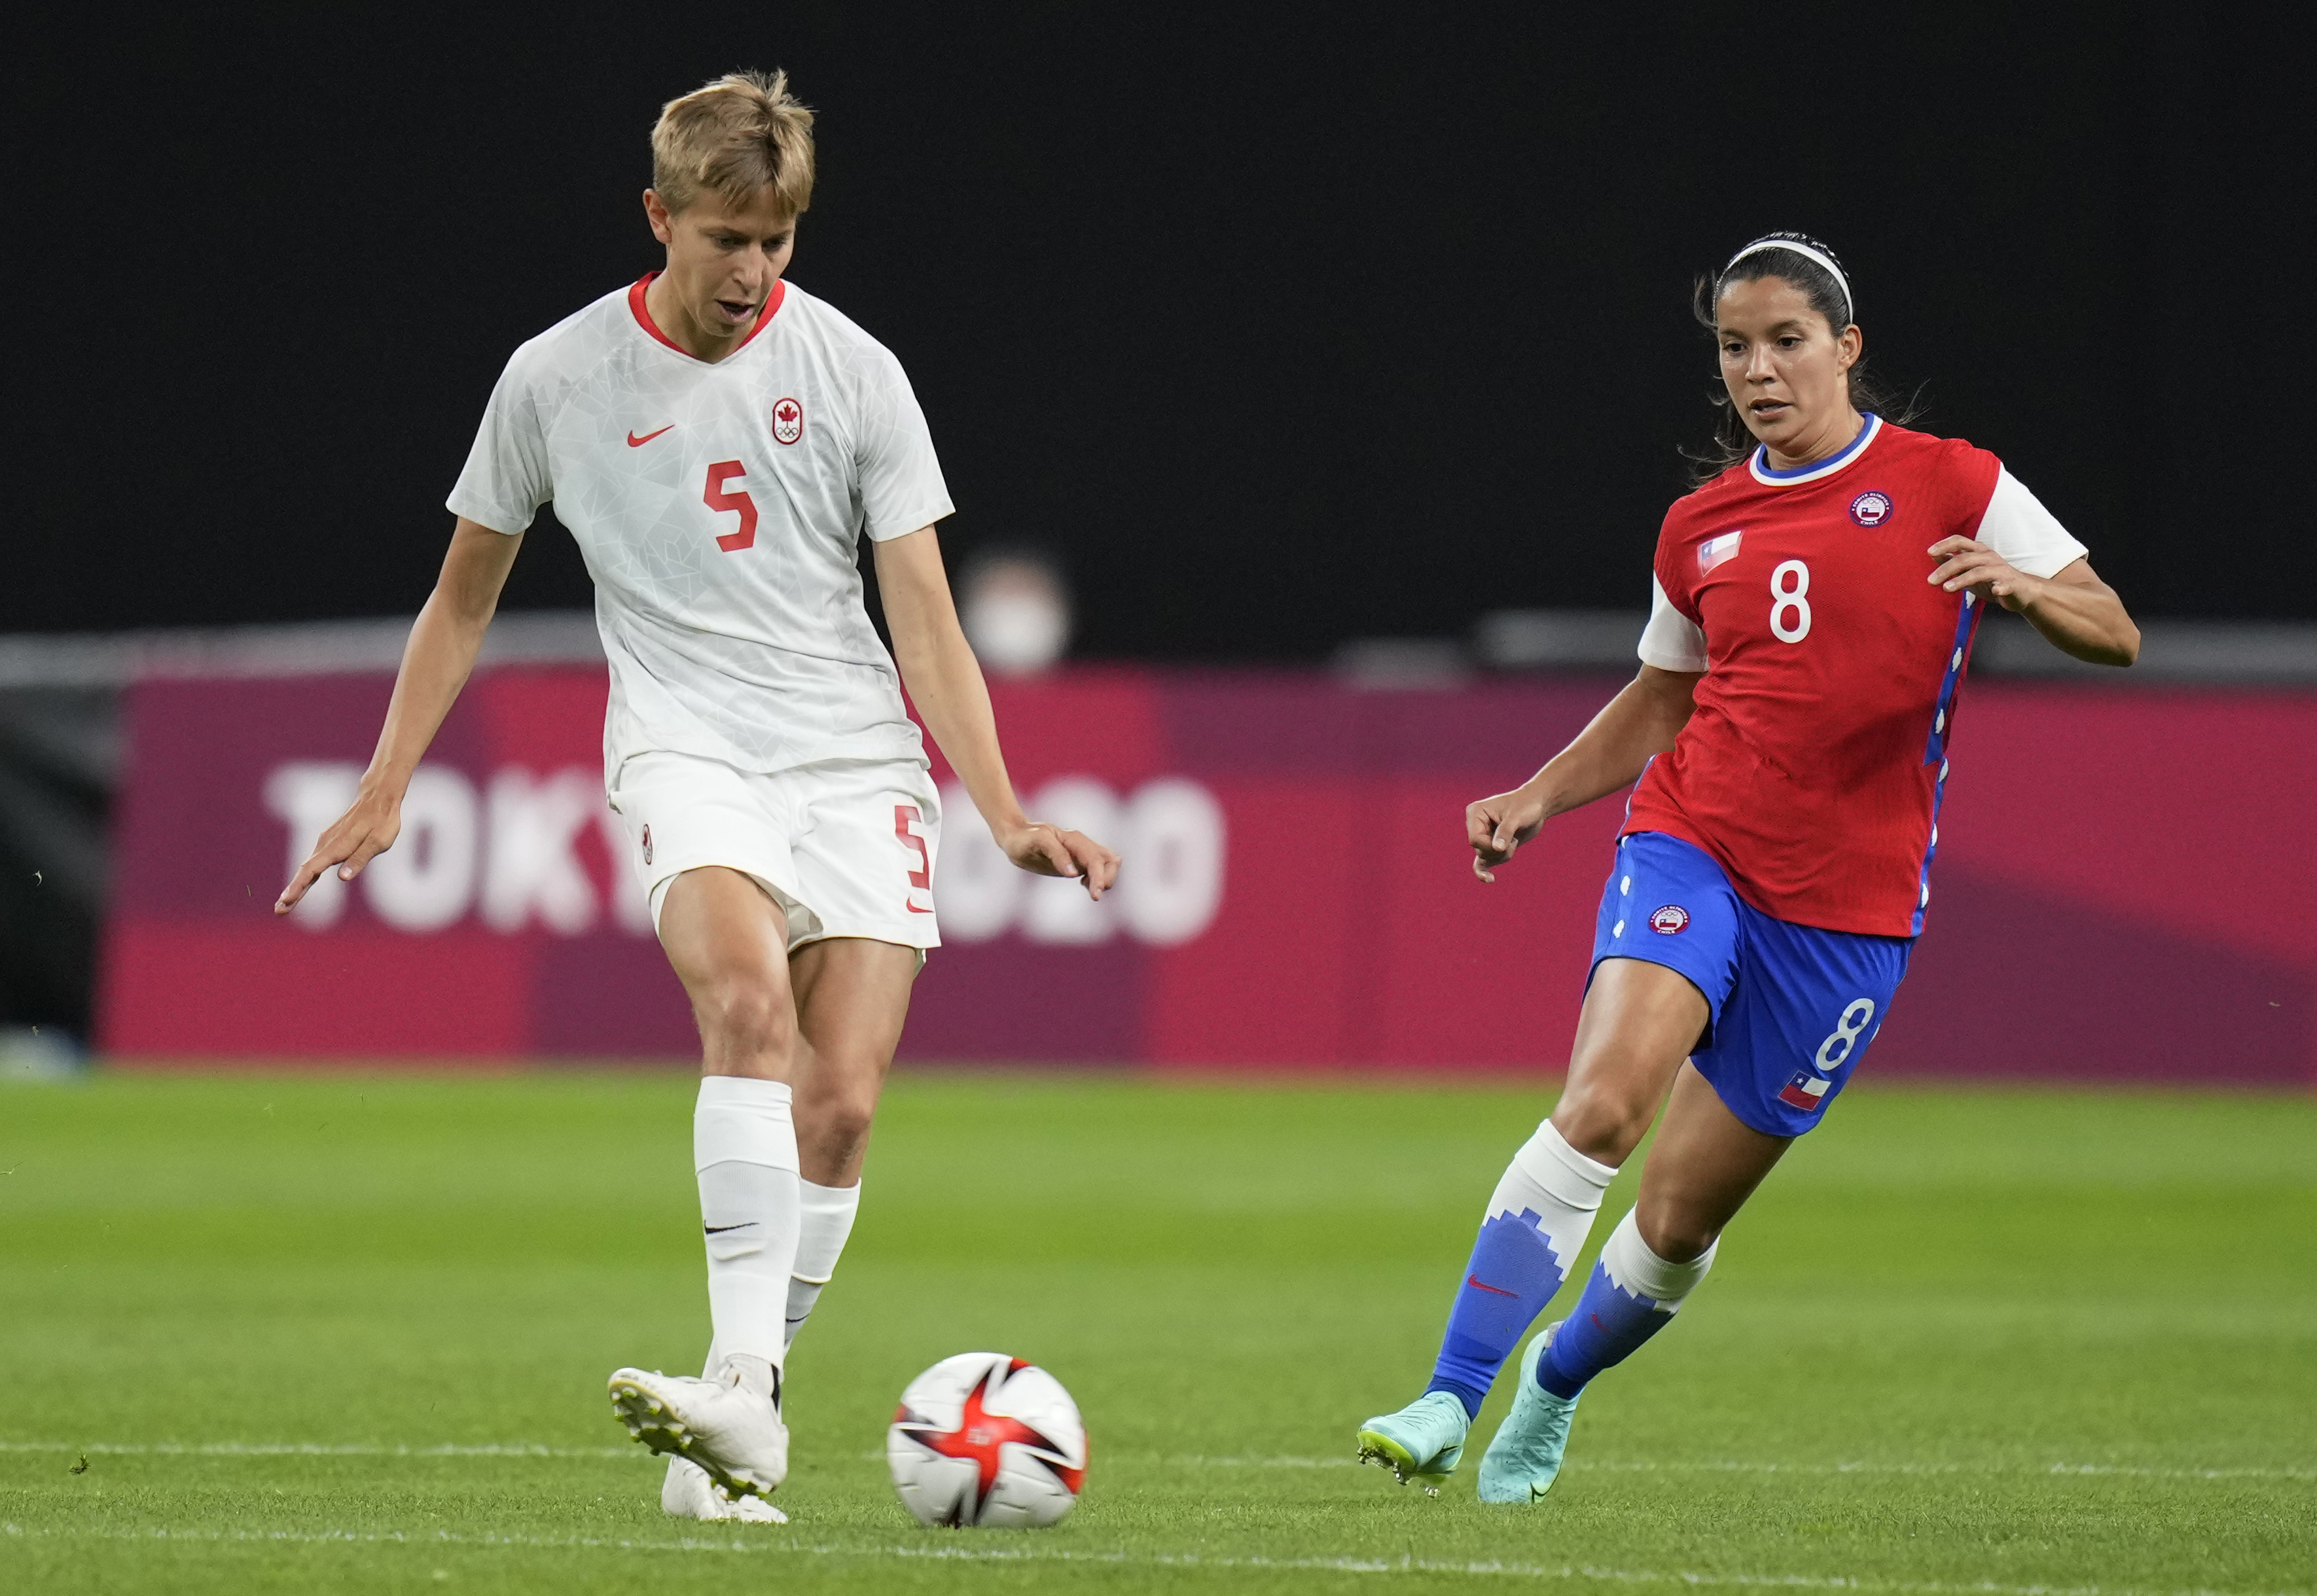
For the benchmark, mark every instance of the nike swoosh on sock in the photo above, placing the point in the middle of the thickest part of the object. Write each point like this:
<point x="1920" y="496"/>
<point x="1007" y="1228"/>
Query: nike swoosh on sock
<point x="721" y="1229"/>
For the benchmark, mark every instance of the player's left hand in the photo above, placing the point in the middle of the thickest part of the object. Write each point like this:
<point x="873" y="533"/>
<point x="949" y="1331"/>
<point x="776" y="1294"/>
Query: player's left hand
<point x="1976" y="567"/>
<point x="1046" y="850"/>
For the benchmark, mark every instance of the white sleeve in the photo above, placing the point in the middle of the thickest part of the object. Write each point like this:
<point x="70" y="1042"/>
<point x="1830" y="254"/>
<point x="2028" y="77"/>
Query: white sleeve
<point x="2027" y="536"/>
<point x="1671" y="641"/>
<point x="507" y="479"/>
<point x="901" y="485"/>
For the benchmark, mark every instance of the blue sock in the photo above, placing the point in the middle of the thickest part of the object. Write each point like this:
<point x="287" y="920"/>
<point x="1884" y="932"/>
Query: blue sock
<point x="1536" y="1221"/>
<point x="1512" y="1273"/>
<point x="1632" y="1296"/>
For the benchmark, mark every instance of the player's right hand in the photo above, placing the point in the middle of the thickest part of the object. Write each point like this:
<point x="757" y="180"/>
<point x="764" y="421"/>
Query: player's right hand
<point x="1045" y="850"/>
<point x="1495" y="826"/>
<point x="361" y="834"/>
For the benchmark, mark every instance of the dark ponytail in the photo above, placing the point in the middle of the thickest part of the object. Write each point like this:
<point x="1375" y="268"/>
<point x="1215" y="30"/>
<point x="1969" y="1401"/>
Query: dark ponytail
<point x="1830" y="296"/>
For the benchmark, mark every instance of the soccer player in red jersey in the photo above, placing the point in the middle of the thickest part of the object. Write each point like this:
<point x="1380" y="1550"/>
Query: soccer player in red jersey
<point x="1813" y="614"/>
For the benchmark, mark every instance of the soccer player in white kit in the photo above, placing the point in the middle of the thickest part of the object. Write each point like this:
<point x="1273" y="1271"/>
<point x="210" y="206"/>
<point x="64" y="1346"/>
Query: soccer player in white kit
<point x="716" y="440"/>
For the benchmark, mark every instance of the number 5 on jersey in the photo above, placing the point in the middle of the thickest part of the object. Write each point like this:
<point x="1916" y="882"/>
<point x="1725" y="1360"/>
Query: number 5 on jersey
<point x="716" y="498"/>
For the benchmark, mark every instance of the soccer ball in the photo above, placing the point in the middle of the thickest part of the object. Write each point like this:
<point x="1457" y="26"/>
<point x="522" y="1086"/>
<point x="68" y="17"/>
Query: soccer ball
<point x="986" y="1440"/>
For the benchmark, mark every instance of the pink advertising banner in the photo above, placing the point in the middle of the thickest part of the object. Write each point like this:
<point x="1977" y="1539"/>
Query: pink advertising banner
<point x="2124" y="886"/>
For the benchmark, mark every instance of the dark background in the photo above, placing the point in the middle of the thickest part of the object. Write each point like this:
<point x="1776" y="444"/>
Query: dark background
<point x="1281" y="325"/>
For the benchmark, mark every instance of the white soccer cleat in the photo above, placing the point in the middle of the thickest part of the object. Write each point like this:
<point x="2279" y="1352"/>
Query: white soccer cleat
<point x="729" y="1423"/>
<point x="688" y="1492"/>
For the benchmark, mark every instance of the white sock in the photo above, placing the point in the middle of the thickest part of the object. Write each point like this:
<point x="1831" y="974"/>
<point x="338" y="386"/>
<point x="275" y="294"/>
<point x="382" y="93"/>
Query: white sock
<point x="1632" y="1296"/>
<point x="1557" y="1183"/>
<point x="826" y="1221"/>
<point x="744" y="1149"/>
<point x="1636" y="1270"/>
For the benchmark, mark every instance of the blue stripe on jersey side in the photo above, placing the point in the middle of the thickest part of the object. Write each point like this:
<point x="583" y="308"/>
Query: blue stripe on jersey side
<point x="1935" y="751"/>
<point x="1759" y="462"/>
<point x="1634" y="791"/>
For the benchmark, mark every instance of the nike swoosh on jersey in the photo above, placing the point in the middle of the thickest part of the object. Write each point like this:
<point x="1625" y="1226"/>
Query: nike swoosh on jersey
<point x="636" y="442"/>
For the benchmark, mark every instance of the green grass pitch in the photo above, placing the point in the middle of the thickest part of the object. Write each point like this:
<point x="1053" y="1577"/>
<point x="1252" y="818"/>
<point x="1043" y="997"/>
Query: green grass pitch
<point x="351" y="1333"/>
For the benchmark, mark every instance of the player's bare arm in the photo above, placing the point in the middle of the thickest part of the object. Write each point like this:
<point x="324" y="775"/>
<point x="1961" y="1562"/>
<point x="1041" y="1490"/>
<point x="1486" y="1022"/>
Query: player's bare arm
<point x="945" y="683"/>
<point x="1640" y="723"/>
<point x="435" y="665"/>
<point x="2075" y="611"/>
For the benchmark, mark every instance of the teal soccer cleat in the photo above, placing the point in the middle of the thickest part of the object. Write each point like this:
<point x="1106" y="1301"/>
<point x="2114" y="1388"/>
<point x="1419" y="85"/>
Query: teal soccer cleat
<point x="1524" y="1457"/>
<point x="1424" y="1439"/>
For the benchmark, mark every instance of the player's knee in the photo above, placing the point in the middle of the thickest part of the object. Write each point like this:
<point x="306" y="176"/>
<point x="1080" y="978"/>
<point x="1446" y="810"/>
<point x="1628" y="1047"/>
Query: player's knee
<point x="835" y="1106"/>
<point x="1603" y="1126"/>
<point x="1677" y="1238"/>
<point x="741" y="1016"/>
<point x="844" y="1120"/>
<point x="848" y="1133"/>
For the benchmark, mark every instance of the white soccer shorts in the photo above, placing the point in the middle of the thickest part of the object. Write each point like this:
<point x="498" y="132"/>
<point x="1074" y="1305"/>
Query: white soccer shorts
<point x="846" y="847"/>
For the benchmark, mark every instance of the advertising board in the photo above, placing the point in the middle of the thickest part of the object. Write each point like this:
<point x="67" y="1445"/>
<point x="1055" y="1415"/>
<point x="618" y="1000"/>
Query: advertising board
<point x="2122" y="888"/>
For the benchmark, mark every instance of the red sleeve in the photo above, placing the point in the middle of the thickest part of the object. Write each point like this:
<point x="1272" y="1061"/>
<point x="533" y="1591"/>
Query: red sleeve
<point x="1965" y="480"/>
<point x="1673" y="568"/>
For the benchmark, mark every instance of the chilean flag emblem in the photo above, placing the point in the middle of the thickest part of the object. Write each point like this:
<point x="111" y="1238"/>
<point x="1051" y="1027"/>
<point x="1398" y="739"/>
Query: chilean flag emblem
<point x="1806" y="1092"/>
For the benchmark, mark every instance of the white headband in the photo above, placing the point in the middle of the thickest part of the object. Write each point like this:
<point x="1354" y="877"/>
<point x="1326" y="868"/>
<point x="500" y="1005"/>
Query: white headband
<point x="1849" y="306"/>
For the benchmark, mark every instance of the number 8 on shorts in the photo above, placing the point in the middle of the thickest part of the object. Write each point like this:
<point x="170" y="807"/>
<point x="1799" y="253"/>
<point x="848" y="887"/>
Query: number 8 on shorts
<point x="1836" y="1048"/>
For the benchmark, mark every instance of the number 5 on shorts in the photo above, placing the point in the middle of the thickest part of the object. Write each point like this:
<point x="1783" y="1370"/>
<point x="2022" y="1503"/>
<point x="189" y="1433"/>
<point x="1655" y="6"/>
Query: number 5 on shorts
<point x="906" y="816"/>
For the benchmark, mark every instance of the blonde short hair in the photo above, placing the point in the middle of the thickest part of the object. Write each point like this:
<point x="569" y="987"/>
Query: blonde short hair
<point x="733" y="137"/>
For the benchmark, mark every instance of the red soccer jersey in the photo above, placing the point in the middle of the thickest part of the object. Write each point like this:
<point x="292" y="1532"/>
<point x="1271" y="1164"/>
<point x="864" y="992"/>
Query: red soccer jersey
<point x="1813" y="767"/>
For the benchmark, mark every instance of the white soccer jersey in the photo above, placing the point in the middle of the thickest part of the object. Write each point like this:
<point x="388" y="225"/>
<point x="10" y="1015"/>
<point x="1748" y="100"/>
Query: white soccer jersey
<point x="719" y="508"/>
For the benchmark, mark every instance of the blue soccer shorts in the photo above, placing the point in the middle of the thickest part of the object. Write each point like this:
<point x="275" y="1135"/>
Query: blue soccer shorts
<point x="1793" y="1008"/>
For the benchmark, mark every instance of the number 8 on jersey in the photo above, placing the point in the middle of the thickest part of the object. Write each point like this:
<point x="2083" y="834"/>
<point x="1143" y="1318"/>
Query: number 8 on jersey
<point x="1790" y="614"/>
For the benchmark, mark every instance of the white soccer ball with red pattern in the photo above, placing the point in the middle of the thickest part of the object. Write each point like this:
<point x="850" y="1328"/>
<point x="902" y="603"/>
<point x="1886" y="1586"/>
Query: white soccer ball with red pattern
<point x="989" y="1441"/>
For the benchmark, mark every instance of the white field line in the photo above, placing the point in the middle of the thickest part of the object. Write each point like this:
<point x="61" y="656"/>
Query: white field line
<point x="768" y="1545"/>
<point x="1581" y="1465"/>
<point x="302" y="1448"/>
<point x="235" y="1448"/>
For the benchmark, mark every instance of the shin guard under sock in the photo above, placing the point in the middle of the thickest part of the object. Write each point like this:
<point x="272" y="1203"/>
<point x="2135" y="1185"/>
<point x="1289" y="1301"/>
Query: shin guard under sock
<point x="1536" y="1222"/>
<point x="1630" y="1296"/>
<point x="744" y="1149"/>
<point x="826" y="1214"/>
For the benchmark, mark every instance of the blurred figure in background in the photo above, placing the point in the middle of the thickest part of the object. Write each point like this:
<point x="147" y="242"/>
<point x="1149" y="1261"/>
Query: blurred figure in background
<point x="1015" y="608"/>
